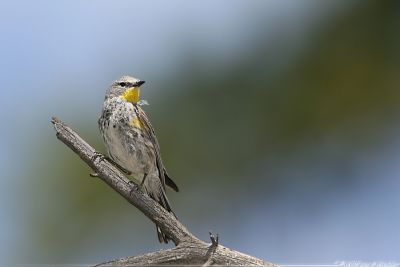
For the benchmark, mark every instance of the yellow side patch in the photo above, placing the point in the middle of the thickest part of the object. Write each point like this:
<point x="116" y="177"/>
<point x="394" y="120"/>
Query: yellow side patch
<point x="131" y="95"/>
<point x="135" y="122"/>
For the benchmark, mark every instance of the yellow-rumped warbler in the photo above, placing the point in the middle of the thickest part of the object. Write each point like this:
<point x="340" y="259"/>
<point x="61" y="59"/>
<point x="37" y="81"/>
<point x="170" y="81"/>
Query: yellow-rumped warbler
<point x="131" y="141"/>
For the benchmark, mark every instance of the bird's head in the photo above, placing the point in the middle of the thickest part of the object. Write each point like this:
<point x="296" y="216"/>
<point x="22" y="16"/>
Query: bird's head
<point x="126" y="87"/>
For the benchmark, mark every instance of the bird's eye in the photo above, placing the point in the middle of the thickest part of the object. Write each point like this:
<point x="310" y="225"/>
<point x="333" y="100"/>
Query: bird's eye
<point x="123" y="84"/>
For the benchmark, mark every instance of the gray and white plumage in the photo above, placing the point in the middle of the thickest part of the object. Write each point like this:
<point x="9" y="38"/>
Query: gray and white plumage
<point x="131" y="142"/>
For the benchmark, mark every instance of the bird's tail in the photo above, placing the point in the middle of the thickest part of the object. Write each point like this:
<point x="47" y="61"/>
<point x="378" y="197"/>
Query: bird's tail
<point x="170" y="182"/>
<point x="162" y="237"/>
<point x="156" y="191"/>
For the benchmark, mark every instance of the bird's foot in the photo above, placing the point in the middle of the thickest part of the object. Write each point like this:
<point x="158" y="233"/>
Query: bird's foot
<point x="135" y="186"/>
<point x="98" y="155"/>
<point x="132" y="184"/>
<point x="101" y="157"/>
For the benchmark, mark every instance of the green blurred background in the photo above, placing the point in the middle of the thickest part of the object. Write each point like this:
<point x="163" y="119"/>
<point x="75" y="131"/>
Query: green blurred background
<point x="279" y="120"/>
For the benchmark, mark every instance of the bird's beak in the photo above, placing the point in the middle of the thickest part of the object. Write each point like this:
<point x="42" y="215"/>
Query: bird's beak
<point x="139" y="83"/>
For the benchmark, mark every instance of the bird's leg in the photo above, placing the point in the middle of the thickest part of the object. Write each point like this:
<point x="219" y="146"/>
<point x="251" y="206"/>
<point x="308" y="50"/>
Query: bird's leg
<point x="104" y="157"/>
<point x="119" y="167"/>
<point x="142" y="182"/>
<point x="116" y="165"/>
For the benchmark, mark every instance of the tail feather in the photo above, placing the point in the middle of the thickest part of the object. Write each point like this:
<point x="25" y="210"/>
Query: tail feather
<point x="163" y="201"/>
<point x="155" y="190"/>
<point x="161" y="236"/>
<point x="170" y="182"/>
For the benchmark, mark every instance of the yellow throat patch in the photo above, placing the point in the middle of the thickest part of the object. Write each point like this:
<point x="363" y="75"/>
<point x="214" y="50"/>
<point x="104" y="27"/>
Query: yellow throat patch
<point x="131" y="95"/>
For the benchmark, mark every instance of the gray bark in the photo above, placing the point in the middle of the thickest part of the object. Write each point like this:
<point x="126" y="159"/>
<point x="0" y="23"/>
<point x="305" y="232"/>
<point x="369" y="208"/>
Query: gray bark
<point x="189" y="249"/>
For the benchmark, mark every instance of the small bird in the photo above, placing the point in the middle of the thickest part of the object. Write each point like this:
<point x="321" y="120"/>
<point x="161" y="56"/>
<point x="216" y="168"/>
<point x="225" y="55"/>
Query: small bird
<point x="132" y="143"/>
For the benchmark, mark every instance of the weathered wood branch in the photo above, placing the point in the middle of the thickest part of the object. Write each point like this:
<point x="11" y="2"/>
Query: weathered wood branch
<point x="189" y="249"/>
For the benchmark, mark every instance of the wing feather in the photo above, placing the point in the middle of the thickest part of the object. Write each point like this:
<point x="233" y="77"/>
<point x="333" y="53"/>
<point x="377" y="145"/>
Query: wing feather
<point x="149" y="131"/>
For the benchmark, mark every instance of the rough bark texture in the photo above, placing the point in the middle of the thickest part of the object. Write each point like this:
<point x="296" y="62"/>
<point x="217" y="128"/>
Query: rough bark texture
<point x="189" y="249"/>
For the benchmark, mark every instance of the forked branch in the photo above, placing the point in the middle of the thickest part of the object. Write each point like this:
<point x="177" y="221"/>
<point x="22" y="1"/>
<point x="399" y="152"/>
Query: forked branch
<point x="189" y="249"/>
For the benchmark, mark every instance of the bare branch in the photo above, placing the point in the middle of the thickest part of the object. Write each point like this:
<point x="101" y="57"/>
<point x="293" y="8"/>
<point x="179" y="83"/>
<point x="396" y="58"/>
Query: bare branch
<point x="189" y="251"/>
<point x="190" y="254"/>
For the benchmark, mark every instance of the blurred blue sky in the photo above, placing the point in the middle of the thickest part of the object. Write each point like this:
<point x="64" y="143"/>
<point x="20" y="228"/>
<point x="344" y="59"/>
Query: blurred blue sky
<point x="57" y="55"/>
<point x="50" y="49"/>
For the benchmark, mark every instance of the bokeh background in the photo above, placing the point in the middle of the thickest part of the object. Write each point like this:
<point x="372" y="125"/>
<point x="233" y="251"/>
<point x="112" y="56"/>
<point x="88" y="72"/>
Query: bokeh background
<point x="279" y="120"/>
